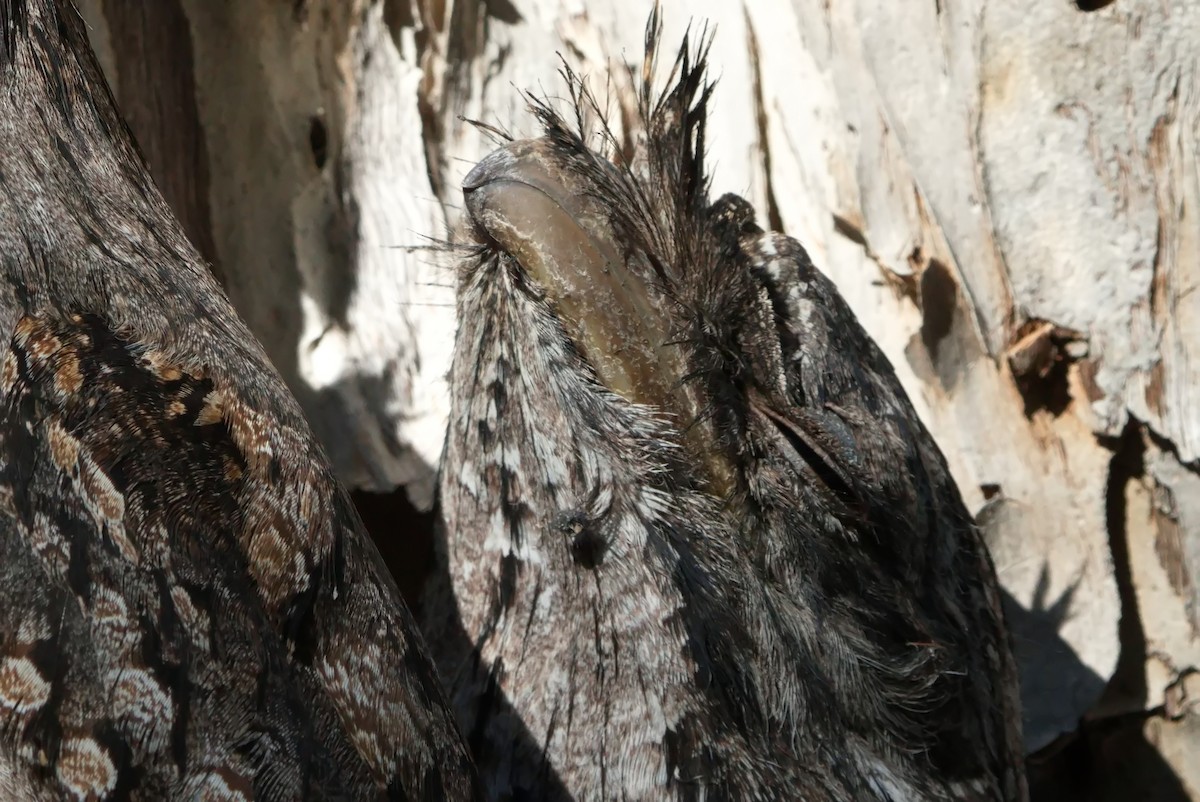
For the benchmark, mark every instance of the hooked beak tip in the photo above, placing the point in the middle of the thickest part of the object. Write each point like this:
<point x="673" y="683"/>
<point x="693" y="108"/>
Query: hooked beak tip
<point x="495" y="166"/>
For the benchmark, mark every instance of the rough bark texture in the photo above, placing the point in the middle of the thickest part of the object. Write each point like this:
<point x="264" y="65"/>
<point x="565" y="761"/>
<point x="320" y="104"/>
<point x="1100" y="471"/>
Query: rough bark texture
<point x="1005" y="192"/>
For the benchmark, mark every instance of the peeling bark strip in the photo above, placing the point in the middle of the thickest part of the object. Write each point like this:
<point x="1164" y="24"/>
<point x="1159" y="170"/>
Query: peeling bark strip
<point x="698" y="543"/>
<point x="189" y="606"/>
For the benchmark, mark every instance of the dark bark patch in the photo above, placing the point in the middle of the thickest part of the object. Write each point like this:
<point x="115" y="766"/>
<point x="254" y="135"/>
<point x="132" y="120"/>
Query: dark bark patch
<point x="318" y="141"/>
<point x="939" y="298"/>
<point x="1040" y="359"/>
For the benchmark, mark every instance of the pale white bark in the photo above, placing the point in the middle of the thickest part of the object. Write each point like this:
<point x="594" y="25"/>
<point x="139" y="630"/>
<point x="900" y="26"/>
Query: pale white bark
<point x="997" y="188"/>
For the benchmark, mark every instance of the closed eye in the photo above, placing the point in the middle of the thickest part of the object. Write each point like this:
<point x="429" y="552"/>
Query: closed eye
<point x="810" y="448"/>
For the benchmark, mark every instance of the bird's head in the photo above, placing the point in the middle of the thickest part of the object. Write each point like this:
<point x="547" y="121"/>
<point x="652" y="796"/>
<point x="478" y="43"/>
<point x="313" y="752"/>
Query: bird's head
<point x="632" y="266"/>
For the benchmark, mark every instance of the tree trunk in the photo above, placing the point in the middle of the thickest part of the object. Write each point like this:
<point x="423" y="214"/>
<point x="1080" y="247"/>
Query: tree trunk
<point x="1005" y="192"/>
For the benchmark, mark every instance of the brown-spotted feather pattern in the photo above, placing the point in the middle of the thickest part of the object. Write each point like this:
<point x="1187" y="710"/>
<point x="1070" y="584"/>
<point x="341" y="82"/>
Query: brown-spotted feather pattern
<point x="189" y="606"/>
<point x="149" y="663"/>
<point x="749" y="578"/>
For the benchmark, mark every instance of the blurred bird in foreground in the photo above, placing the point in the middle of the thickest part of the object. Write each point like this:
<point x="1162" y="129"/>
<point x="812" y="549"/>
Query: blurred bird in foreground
<point x="189" y="605"/>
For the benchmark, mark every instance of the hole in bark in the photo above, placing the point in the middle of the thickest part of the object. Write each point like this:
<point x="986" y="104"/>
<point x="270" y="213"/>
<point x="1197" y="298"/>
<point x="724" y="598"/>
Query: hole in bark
<point x="1040" y="360"/>
<point x="318" y="141"/>
<point x="1092" y="5"/>
<point x="1048" y="390"/>
<point x="939" y="296"/>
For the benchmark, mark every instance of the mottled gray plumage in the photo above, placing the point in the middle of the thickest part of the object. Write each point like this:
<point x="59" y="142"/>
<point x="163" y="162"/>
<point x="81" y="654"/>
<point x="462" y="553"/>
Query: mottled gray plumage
<point x="699" y="544"/>
<point x="189" y="605"/>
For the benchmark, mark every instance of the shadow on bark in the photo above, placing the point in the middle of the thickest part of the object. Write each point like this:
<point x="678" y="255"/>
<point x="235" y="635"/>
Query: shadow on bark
<point x="407" y="539"/>
<point x="1110" y="760"/>
<point x="1109" y="757"/>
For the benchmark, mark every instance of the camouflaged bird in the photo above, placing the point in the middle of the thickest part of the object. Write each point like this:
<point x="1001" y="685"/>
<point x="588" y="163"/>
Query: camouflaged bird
<point x="189" y="605"/>
<point x="698" y="542"/>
